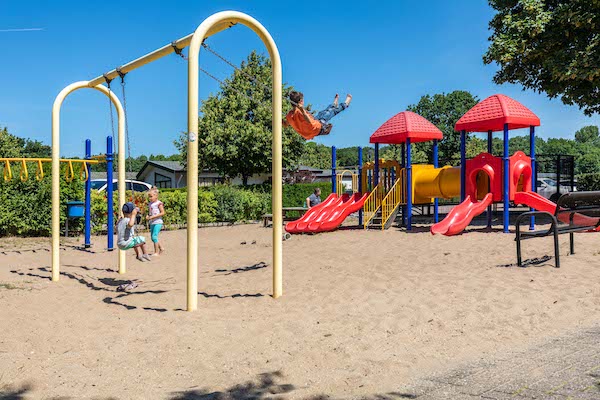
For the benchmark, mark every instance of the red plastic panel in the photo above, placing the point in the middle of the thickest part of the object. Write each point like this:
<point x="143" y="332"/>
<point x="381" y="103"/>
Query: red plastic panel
<point x="404" y="125"/>
<point x="492" y="113"/>
<point x="492" y="166"/>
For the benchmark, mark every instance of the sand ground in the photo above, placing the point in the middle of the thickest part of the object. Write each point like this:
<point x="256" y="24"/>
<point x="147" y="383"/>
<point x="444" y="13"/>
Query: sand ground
<point x="362" y="314"/>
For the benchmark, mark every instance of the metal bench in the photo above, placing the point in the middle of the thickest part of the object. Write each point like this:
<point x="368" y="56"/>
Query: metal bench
<point x="575" y="212"/>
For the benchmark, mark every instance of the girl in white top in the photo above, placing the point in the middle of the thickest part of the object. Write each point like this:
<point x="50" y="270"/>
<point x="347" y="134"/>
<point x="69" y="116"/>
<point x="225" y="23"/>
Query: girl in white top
<point x="156" y="210"/>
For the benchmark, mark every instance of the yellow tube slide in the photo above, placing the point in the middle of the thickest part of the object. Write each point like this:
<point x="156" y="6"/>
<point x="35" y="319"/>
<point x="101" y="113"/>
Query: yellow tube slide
<point x="429" y="182"/>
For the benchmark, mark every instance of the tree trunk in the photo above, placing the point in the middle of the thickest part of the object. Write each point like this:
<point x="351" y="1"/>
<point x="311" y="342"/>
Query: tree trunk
<point x="244" y="179"/>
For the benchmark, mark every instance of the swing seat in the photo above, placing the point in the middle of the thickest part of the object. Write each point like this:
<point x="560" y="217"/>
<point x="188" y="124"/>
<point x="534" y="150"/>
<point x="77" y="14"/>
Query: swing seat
<point x="326" y="129"/>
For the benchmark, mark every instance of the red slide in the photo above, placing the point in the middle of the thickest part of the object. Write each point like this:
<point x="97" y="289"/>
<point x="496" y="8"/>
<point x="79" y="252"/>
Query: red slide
<point x="541" y="203"/>
<point x="457" y="220"/>
<point x="311" y="214"/>
<point x="333" y="216"/>
<point x="328" y="215"/>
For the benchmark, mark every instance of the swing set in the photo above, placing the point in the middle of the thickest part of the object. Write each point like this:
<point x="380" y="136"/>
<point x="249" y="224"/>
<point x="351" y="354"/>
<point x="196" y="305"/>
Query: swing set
<point x="210" y="26"/>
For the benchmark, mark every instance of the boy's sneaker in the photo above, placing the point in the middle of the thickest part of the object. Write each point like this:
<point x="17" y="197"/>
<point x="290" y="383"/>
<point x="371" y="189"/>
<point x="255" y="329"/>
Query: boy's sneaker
<point x="141" y="258"/>
<point x="146" y="257"/>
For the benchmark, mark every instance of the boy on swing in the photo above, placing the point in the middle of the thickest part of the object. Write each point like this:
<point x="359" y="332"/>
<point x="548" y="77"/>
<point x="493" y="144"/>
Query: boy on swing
<point x="308" y="125"/>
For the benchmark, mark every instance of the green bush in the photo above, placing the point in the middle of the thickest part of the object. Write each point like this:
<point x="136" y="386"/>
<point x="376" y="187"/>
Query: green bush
<point x="295" y="195"/>
<point x="26" y="206"/>
<point x="587" y="182"/>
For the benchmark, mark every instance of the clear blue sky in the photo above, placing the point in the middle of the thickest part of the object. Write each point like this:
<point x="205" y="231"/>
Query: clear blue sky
<point x="387" y="54"/>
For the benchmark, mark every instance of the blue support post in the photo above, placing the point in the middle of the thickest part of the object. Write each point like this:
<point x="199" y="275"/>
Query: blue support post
<point x="506" y="175"/>
<point x="360" y="182"/>
<point x="403" y="156"/>
<point x="376" y="170"/>
<point x="408" y="187"/>
<point x="533" y="170"/>
<point x="110" y="223"/>
<point x="88" y="196"/>
<point x="333" y="177"/>
<point x="435" y="165"/>
<point x="489" y="150"/>
<point x="463" y="164"/>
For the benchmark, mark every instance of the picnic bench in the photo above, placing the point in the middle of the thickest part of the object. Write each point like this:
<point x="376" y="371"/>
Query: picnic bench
<point x="297" y="211"/>
<point x="575" y="212"/>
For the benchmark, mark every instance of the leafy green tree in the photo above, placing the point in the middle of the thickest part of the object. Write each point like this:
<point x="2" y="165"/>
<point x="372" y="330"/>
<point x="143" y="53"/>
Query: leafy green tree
<point x="550" y="46"/>
<point x="10" y="145"/>
<point x="235" y="125"/>
<point x="316" y="155"/>
<point x="588" y="134"/>
<point x="443" y="110"/>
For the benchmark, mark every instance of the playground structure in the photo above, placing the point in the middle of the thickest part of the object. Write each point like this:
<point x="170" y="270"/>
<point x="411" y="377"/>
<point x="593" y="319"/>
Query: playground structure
<point x="70" y="174"/>
<point x="392" y="188"/>
<point x="210" y="26"/>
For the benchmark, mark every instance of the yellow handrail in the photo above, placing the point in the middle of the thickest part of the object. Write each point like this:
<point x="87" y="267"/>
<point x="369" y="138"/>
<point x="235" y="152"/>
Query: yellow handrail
<point x="372" y="204"/>
<point x="39" y="173"/>
<point x="36" y="159"/>
<point x="7" y="172"/>
<point x="70" y="174"/>
<point x="24" y="175"/>
<point x="340" y="182"/>
<point x="395" y="197"/>
<point x="83" y="173"/>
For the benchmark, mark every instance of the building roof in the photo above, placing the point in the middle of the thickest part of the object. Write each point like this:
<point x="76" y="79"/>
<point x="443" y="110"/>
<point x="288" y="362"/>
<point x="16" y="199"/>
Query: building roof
<point x="406" y="125"/>
<point x="492" y="113"/>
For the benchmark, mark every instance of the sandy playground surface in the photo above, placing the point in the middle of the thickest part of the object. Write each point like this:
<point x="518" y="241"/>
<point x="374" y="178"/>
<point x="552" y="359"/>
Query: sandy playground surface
<point x="362" y="313"/>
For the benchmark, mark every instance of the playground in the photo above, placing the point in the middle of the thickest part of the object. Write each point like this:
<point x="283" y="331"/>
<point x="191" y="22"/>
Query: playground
<point x="361" y="296"/>
<point x="353" y="321"/>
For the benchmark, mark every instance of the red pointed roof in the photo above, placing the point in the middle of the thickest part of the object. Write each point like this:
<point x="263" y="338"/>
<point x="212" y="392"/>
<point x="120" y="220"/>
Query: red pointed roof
<point x="405" y="125"/>
<point x="492" y="113"/>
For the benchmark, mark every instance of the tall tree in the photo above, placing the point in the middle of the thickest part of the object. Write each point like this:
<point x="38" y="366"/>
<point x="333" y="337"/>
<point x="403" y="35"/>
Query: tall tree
<point x="234" y="130"/>
<point x="10" y="145"/>
<point x="550" y="46"/>
<point x="316" y="155"/>
<point x="443" y="110"/>
<point x="588" y="134"/>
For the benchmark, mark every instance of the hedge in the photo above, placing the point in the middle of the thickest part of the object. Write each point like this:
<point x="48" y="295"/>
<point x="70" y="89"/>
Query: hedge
<point x="25" y="207"/>
<point x="586" y="182"/>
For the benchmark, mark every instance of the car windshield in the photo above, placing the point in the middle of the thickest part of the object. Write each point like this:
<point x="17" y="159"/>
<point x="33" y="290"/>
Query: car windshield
<point x="98" y="184"/>
<point x="550" y="182"/>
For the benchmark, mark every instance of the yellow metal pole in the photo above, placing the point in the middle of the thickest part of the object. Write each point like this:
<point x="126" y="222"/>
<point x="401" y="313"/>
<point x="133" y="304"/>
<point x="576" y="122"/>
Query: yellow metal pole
<point x="56" y="166"/>
<point x="228" y="18"/>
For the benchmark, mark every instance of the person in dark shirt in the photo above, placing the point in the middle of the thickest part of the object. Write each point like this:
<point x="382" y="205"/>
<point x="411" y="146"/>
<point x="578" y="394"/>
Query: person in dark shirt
<point x="314" y="198"/>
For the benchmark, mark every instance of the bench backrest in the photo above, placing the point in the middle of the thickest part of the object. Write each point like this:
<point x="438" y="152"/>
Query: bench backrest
<point x="579" y="209"/>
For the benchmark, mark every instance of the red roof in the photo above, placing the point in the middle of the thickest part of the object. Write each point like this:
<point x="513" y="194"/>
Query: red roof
<point x="492" y="113"/>
<point x="406" y="125"/>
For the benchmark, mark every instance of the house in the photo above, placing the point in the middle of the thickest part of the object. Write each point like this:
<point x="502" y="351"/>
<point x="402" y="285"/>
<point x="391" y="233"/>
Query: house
<point x="173" y="174"/>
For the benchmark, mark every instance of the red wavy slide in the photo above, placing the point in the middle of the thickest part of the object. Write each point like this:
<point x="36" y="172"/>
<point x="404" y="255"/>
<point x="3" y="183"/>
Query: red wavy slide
<point x="541" y="203"/>
<point x="328" y="215"/>
<point x="461" y="216"/>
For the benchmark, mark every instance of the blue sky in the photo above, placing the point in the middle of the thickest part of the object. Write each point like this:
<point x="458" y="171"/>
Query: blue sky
<point x="387" y="54"/>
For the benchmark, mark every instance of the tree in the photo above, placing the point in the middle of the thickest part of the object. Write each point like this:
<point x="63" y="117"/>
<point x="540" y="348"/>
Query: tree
<point x="316" y="155"/>
<point x="588" y="134"/>
<point x="234" y="130"/>
<point x="443" y="110"/>
<point x="10" y="145"/>
<point x="550" y="46"/>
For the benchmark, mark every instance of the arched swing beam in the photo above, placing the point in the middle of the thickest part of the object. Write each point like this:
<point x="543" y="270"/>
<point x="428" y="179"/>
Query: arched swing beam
<point x="56" y="166"/>
<point x="210" y="26"/>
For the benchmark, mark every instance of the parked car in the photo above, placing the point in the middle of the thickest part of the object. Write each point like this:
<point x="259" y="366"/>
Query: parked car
<point x="137" y="186"/>
<point x="547" y="187"/>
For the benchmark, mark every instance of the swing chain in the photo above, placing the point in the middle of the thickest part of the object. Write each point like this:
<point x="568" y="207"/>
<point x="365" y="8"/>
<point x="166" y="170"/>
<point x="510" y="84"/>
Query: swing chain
<point x="129" y="161"/>
<point x="178" y="51"/>
<point x="110" y="106"/>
